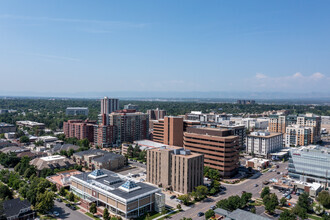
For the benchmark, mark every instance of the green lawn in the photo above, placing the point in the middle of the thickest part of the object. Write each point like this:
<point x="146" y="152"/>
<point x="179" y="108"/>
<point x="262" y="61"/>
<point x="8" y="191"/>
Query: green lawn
<point x="91" y="215"/>
<point x="314" y="217"/>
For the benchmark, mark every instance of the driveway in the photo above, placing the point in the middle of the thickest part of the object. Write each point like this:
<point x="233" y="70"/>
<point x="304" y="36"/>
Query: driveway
<point x="67" y="213"/>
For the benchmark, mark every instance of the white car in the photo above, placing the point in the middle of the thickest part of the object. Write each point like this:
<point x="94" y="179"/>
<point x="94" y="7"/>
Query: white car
<point x="56" y="213"/>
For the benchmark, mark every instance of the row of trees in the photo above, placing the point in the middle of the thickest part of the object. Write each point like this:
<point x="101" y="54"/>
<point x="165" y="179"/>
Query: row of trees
<point x="235" y="202"/>
<point x="200" y="193"/>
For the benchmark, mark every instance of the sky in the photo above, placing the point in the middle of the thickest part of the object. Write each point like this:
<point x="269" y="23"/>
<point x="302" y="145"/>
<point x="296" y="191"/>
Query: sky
<point x="80" y="46"/>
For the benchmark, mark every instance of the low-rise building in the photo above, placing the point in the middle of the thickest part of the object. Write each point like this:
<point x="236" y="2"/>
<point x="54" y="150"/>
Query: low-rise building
<point x="62" y="179"/>
<point x="10" y="135"/>
<point x="120" y="195"/>
<point x="257" y="163"/>
<point x="30" y="124"/>
<point x="5" y="128"/>
<point x="14" y="149"/>
<point x="131" y="106"/>
<point x="17" y="209"/>
<point x="76" y="111"/>
<point x="311" y="188"/>
<point x="175" y="168"/>
<point x="56" y="149"/>
<point x="99" y="159"/>
<point x="47" y="139"/>
<point x="52" y="162"/>
<point x="263" y="143"/>
<point x="237" y="214"/>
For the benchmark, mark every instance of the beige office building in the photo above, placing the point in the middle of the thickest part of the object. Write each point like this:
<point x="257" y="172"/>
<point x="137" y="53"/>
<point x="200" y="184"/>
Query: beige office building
<point x="175" y="168"/>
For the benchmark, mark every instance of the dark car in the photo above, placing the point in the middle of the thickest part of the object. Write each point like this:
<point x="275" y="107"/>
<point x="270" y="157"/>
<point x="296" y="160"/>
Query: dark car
<point x="223" y="188"/>
<point x="173" y="197"/>
<point x="58" y="199"/>
<point x="73" y="207"/>
<point x="67" y="205"/>
<point x="213" y="207"/>
<point x="278" y="172"/>
<point x="200" y="214"/>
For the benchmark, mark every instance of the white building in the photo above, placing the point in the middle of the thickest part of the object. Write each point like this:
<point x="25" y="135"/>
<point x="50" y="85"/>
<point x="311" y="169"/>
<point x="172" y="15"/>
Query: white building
<point x="263" y="143"/>
<point x="252" y="123"/>
<point x="76" y="111"/>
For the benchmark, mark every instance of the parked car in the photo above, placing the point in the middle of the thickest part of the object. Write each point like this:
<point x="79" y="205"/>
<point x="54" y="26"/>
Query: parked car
<point x="200" y="214"/>
<point x="213" y="207"/>
<point x="56" y="213"/>
<point x="67" y="204"/>
<point x="173" y="197"/>
<point x="278" y="172"/>
<point x="222" y="192"/>
<point x="256" y="185"/>
<point x="59" y="199"/>
<point x="73" y="207"/>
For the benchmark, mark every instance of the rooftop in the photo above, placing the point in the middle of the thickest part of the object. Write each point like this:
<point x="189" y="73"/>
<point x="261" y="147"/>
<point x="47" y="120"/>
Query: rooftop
<point x="14" y="206"/>
<point x="150" y="144"/>
<point x="2" y="124"/>
<point x="117" y="185"/>
<point x="264" y="134"/>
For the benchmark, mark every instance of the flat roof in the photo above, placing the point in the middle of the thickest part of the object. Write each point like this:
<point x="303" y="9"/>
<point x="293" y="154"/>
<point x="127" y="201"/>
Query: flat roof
<point x="51" y="158"/>
<point x="117" y="180"/>
<point x="150" y="144"/>
<point x="3" y="124"/>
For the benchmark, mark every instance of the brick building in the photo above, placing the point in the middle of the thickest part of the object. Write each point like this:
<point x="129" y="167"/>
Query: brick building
<point x="79" y="129"/>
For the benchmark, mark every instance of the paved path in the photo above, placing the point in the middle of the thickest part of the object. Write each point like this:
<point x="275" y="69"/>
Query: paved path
<point x="248" y="186"/>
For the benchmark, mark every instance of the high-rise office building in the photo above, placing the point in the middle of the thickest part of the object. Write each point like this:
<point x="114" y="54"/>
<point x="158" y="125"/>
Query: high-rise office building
<point x="169" y="131"/>
<point x="220" y="148"/>
<point x="175" y="167"/>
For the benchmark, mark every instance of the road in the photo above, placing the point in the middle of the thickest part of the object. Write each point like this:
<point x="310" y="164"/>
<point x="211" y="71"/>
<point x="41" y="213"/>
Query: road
<point x="67" y="213"/>
<point x="248" y="186"/>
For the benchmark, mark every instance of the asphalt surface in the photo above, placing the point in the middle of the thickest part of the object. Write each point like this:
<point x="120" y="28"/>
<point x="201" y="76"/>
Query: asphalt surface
<point x="248" y="186"/>
<point x="67" y="213"/>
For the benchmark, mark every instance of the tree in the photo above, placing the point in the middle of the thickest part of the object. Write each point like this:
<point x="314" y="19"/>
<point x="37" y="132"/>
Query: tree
<point x="200" y="192"/>
<point x="209" y="213"/>
<point x="179" y="207"/>
<point x="245" y="198"/>
<point x="324" y="198"/>
<point x="213" y="191"/>
<point x="62" y="192"/>
<point x="5" y="192"/>
<point x="24" y="139"/>
<point x="270" y="202"/>
<point x="301" y="212"/>
<point x="45" y="201"/>
<point x="223" y="204"/>
<point x="93" y="208"/>
<point x="253" y="210"/>
<point x="303" y="201"/>
<point x="53" y="188"/>
<point x="185" y="198"/>
<point x="71" y="197"/>
<point x="106" y="214"/>
<point x="287" y="215"/>
<point x="283" y="201"/>
<point x="265" y="191"/>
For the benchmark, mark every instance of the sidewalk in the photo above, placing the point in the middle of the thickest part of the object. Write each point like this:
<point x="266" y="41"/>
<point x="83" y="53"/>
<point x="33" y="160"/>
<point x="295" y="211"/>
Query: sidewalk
<point x="165" y="214"/>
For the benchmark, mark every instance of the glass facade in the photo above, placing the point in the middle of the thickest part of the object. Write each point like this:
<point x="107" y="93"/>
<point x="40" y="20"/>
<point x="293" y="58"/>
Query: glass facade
<point x="310" y="164"/>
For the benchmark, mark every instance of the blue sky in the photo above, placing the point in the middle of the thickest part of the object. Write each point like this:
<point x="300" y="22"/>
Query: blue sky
<point x="95" y="46"/>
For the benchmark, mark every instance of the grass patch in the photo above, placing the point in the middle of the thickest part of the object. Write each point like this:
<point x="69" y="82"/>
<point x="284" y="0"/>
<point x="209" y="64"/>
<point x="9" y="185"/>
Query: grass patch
<point x="91" y="215"/>
<point x="314" y="217"/>
<point x="152" y="215"/>
<point x="265" y="170"/>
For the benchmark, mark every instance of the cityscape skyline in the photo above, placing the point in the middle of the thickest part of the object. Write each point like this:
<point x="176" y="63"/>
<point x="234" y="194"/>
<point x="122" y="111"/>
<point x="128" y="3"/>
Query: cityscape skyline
<point x="155" y="47"/>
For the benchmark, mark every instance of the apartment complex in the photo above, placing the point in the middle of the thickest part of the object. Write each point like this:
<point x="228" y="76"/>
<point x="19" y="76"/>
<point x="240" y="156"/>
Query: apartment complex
<point x="104" y="135"/>
<point x="129" y="127"/>
<point x="6" y="128"/>
<point x="263" y="143"/>
<point x="121" y="196"/>
<point x="279" y="123"/>
<point x="156" y="114"/>
<point x="310" y="164"/>
<point x="207" y="117"/>
<point x="175" y="168"/>
<point x="109" y="105"/>
<point x="297" y="135"/>
<point x="79" y="129"/>
<point x="220" y="148"/>
<point x="76" y="111"/>
<point x="99" y="159"/>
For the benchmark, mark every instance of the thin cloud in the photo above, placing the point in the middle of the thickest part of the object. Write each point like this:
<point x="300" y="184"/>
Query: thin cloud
<point x="54" y="57"/>
<point x="73" y="20"/>
<point x="260" y="76"/>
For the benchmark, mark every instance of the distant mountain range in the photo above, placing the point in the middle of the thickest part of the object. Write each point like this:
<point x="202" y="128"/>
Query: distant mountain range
<point x="215" y="96"/>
